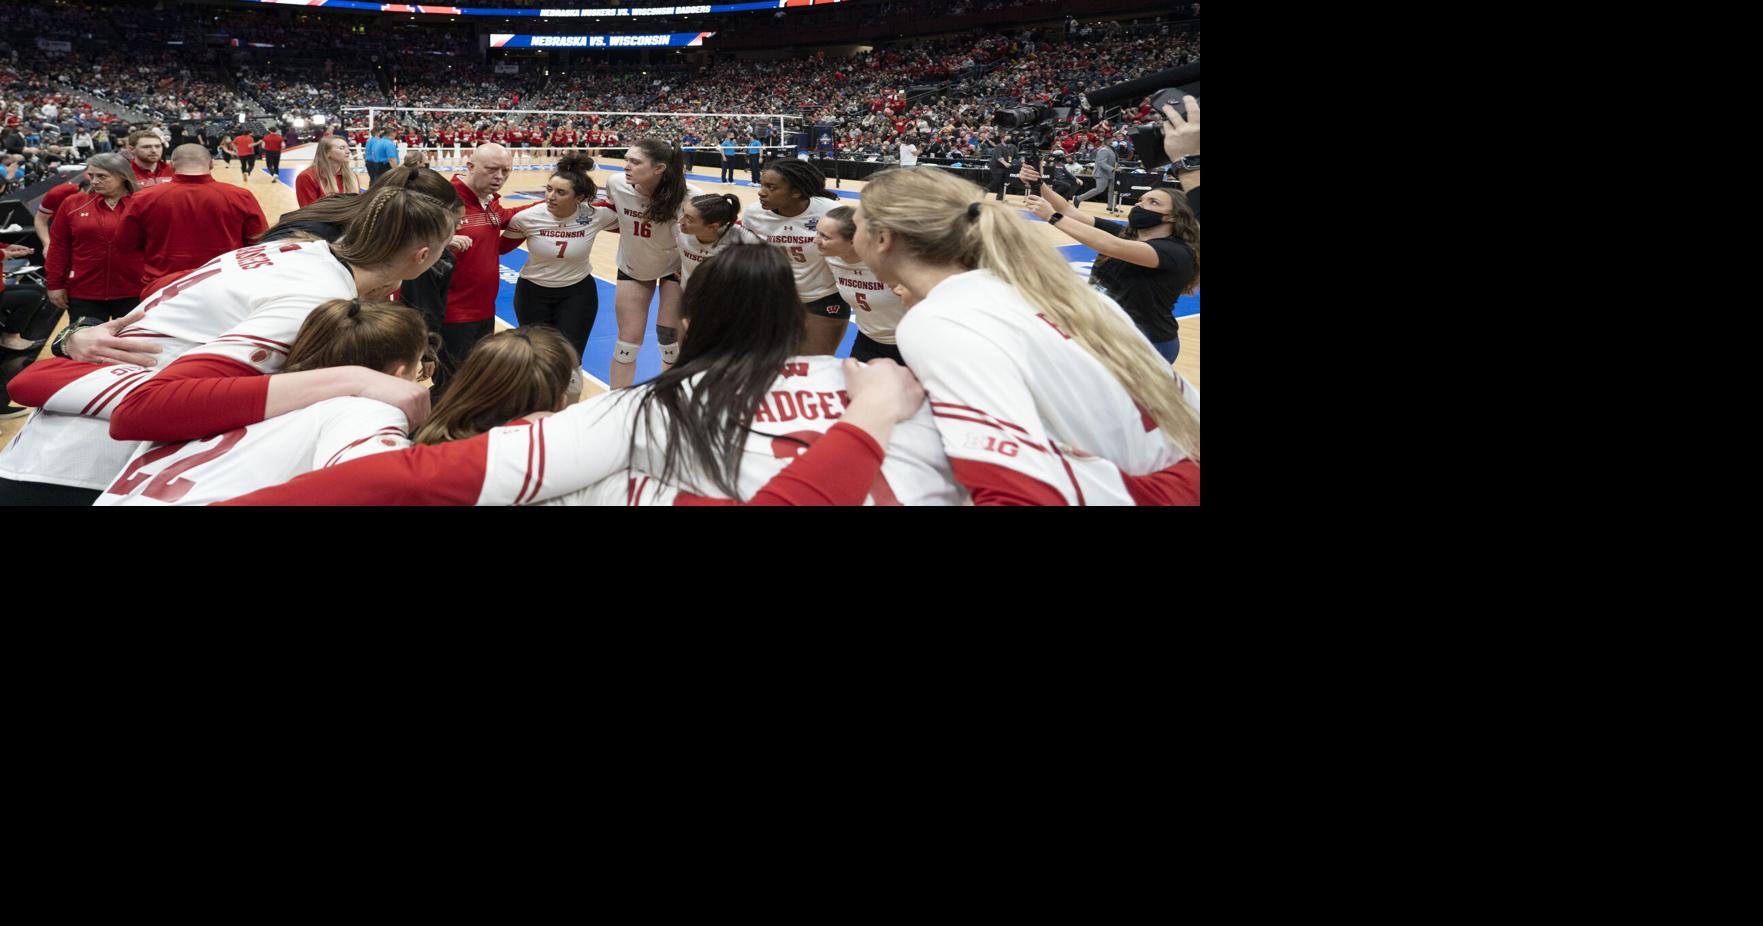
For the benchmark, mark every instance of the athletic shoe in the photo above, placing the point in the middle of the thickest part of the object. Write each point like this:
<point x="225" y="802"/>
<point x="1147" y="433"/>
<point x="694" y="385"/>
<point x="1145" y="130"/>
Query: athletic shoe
<point x="13" y="411"/>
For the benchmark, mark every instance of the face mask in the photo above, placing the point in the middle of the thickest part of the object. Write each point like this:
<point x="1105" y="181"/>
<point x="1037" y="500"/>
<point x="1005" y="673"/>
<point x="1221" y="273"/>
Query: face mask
<point x="1140" y="217"/>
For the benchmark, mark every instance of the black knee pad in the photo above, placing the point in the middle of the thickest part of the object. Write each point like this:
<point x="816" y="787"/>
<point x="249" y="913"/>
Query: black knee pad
<point x="30" y="313"/>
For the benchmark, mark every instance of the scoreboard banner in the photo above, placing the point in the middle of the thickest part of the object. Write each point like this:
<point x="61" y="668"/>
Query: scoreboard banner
<point x="666" y="40"/>
<point x="605" y="12"/>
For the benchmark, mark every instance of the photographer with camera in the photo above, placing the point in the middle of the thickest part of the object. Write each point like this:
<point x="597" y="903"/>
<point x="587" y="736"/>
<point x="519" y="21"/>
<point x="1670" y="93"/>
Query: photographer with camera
<point x="1147" y="265"/>
<point x="1058" y="175"/>
<point x="1002" y="160"/>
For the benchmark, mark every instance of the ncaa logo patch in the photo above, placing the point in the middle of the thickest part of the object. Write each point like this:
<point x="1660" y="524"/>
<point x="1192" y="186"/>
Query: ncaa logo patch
<point x="811" y="223"/>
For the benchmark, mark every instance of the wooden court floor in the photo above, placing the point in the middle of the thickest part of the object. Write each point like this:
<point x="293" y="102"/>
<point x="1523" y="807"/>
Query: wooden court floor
<point x="277" y="198"/>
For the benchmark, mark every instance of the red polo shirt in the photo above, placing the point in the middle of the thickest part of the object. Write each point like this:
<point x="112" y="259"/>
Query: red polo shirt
<point x="161" y="173"/>
<point x="272" y="141"/>
<point x="183" y="224"/>
<point x="477" y="274"/>
<point x="53" y="199"/>
<point x="245" y="145"/>
<point x="83" y="258"/>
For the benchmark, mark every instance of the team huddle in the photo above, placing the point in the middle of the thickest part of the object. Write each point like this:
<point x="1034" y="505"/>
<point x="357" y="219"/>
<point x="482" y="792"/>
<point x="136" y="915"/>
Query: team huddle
<point x="291" y="371"/>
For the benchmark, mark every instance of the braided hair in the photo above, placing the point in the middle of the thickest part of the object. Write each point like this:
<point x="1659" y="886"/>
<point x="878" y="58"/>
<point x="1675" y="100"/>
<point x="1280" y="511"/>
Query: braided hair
<point x="801" y="176"/>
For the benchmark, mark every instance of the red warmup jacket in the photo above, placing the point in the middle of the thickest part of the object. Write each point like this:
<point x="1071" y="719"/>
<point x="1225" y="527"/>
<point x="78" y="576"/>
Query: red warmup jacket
<point x="477" y="274"/>
<point x="83" y="257"/>
<point x="183" y="224"/>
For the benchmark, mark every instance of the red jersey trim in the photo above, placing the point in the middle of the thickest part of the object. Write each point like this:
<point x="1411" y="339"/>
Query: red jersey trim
<point x="387" y="431"/>
<point x="993" y="485"/>
<point x="1177" y="485"/>
<point x="109" y="395"/>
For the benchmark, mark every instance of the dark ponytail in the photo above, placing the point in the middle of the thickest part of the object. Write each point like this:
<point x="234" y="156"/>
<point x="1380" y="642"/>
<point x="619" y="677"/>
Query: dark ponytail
<point x="717" y="208"/>
<point x="746" y="321"/>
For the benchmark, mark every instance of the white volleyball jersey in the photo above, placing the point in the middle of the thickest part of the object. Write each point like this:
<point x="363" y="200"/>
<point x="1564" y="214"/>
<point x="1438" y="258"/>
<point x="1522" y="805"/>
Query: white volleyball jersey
<point x="213" y="469"/>
<point x="646" y="250"/>
<point x="246" y="305"/>
<point x="558" y="249"/>
<point x="693" y="252"/>
<point x="795" y="234"/>
<point x="873" y="303"/>
<point x="1009" y="388"/>
<point x="579" y="447"/>
<point x="621" y="491"/>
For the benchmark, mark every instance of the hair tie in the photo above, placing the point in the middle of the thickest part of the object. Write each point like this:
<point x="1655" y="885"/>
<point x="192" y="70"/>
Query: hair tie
<point x="354" y="307"/>
<point x="973" y="212"/>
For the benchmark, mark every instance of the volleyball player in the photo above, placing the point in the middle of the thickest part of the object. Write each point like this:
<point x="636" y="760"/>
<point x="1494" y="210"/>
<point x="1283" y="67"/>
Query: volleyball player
<point x="741" y="406"/>
<point x="648" y="198"/>
<point x="707" y="225"/>
<point x="873" y="303"/>
<point x="557" y="285"/>
<point x="370" y="334"/>
<point x="238" y="314"/>
<point x="526" y="372"/>
<point x="792" y="198"/>
<point x="1043" y="389"/>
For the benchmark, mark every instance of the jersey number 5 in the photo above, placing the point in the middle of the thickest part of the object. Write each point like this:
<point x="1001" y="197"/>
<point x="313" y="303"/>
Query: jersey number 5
<point x="797" y="255"/>
<point x="862" y="302"/>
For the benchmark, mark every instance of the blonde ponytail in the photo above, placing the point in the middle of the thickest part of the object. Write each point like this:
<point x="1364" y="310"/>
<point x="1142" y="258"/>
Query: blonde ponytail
<point x="944" y="219"/>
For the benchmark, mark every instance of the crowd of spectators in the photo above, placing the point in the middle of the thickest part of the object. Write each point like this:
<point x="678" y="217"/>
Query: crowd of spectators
<point x="261" y="64"/>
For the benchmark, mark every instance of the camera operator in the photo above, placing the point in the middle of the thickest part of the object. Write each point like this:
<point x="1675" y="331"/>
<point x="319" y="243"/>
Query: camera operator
<point x="1002" y="160"/>
<point x="1145" y="267"/>
<point x="1058" y="176"/>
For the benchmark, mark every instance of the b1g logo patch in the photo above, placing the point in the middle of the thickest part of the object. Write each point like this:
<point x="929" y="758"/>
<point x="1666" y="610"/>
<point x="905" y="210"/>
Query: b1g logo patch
<point x="259" y="355"/>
